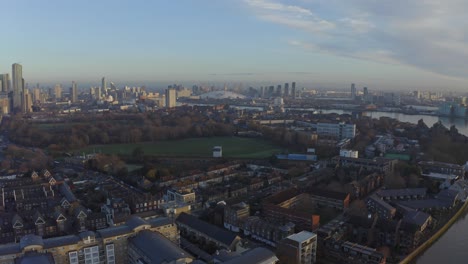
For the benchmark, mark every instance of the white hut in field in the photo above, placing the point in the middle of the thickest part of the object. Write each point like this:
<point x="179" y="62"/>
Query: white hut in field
<point x="217" y="151"/>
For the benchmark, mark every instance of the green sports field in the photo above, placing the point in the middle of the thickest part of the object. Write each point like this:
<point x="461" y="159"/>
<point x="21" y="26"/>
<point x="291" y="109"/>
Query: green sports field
<point x="233" y="147"/>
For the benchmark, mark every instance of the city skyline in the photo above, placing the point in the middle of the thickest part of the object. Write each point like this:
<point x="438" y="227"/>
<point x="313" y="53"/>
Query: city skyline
<point x="320" y="44"/>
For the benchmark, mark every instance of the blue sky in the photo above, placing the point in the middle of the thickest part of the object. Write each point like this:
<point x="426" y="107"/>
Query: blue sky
<point x="400" y="44"/>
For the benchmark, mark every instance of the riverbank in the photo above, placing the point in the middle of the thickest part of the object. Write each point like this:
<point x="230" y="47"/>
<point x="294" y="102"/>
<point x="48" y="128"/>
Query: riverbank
<point x="423" y="247"/>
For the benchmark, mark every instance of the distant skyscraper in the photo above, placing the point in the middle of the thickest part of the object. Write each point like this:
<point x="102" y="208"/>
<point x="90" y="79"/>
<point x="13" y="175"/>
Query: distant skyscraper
<point x="365" y="96"/>
<point x="97" y="93"/>
<point x="28" y="102"/>
<point x="74" y="92"/>
<point x="286" y="89"/>
<point x="271" y="90"/>
<point x="36" y="94"/>
<point x="171" y="98"/>
<point x="103" y="85"/>
<point x="5" y="81"/>
<point x="58" y="92"/>
<point x="17" y="74"/>
<point x="262" y="92"/>
<point x="353" y="91"/>
<point x="293" y="90"/>
<point x="279" y="91"/>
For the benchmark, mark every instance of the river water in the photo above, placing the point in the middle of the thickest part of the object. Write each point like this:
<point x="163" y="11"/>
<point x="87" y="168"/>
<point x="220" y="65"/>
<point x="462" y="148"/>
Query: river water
<point x="460" y="124"/>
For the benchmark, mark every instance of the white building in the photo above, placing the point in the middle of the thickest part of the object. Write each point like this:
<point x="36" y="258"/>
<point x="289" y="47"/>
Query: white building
<point x="298" y="248"/>
<point x="349" y="153"/>
<point x="217" y="151"/>
<point x="337" y="130"/>
<point x="171" y="99"/>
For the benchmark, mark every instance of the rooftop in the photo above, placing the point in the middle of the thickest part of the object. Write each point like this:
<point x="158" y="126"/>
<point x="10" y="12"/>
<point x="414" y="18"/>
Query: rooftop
<point x="35" y="258"/>
<point x="402" y="192"/>
<point x="416" y="217"/>
<point x="210" y="230"/>
<point x="256" y="255"/>
<point x="158" y="248"/>
<point x="302" y="236"/>
<point x="329" y="194"/>
<point x="381" y="202"/>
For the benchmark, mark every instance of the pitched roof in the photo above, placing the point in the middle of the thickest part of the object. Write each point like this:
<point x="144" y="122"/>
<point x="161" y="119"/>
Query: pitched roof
<point x="209" y="230"/>
<point x="135" y="221"/>
<point x="157" y="248"/>
<point x="416" y="217"/>
<point x="35" y="258"/>
<point x="114" y="231"/>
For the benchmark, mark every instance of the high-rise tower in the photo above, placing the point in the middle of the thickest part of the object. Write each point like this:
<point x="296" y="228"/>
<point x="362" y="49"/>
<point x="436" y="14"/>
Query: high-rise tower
<point x="58" y="92"/>
<point x="17" y="74"/>
<point x="103" y="85"/>
<point x="5" y="80"/>
<point x="286" y="89"/>
<point x="353" y="91"/>
<point x="74" y="92"/>
<point x="171" y="98"/>
<point x="293" y="90"/>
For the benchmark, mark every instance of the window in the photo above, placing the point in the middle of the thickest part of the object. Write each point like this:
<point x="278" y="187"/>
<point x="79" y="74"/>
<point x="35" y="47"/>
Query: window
<point x="73" y="256"/>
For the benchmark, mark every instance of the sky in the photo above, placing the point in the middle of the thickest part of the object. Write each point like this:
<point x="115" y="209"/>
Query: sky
<point x="399" y="44"/>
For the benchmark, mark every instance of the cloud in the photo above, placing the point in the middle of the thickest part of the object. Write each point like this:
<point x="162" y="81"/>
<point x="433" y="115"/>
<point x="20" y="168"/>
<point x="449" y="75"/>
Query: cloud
<point x="431" y="35"/>
<point x="289" y="15"/>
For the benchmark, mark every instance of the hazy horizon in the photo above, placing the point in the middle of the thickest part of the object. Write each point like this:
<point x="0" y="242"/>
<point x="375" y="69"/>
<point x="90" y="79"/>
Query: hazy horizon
<point x="406" y="45"/>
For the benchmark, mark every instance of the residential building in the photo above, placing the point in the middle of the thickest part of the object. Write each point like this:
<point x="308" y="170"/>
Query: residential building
<point x="181" y="196"/>
<point x="234" y="215"/>
<point x="379" y="206"/>
<point x="298" y="248"/>
<point x="152" y="247"/>
<point x="191" y="226"/>
<point x="171" y="98"/>
<point x="17" y="85"/>
<point x="5" y="80"/>
<point x="338" y="200"/>
<point x="336" y="130"/>
<point x="382" y="165"/>
<point x="74" y="92"/>
<point x="58" y="92"/>
<point x="265" y="231"/>
<point x="441" y="170"/>
<point x="280" y="208"/>
<point x="110" y="245"/>
<point x="117" y="211"/>
<point x="254" y="256"/>
<point x="402" y="194"/>
<point x="461" y="186"/>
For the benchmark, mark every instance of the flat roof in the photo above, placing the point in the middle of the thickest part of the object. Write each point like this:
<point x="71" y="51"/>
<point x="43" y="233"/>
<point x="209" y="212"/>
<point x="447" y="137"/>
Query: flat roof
<point x="302" y="236"/>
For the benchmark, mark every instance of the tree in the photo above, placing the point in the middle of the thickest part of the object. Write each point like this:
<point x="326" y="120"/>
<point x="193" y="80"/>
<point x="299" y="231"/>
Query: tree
<point x="152" y="175"/>
<point x="138" y="153"/>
